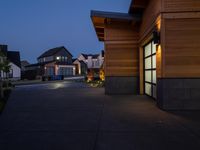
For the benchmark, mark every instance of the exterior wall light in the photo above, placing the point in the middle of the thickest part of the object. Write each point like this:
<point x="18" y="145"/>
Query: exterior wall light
<point x="58" y="58"/>
<point x="156" y="37"/>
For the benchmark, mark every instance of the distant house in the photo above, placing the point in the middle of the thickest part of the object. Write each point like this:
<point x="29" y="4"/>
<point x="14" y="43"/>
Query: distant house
<point x="24" y="63"/>
<point x="93" y="61"/>
<point x="14" y="62"/>
<point x="81" y="67"/>
<point x="56" y="61"/>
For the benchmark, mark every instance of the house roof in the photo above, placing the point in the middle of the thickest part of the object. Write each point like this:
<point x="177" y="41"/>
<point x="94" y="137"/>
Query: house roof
<point x="94" y="56"/>
<point x="74" y="59"/>
<point x="111" y="15"/>
<point x="99" y="19"/>
<point x="24" y="63"/>
<point x="82" y="62"/>
<point x="14" y="57"/>
<point x="53" y="51"/>
<point x="40" y="64"/>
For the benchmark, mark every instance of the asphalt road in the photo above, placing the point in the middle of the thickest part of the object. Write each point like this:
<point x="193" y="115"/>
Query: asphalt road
<point x="50" y="86"/>
<point x="72" y="116"/>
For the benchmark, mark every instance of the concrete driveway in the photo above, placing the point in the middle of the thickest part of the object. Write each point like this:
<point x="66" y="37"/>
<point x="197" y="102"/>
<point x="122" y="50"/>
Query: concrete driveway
<point x="72" y="116"/>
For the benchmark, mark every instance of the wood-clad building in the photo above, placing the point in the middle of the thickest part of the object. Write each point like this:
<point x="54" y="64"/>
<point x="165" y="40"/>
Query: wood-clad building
<point x="154" y="49"/>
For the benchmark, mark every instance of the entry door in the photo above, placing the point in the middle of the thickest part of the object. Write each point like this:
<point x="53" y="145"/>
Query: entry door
<point x="150" y="69"/>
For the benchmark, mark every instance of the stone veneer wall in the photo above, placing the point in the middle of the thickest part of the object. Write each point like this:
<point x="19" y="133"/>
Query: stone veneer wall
<point x="121" y="85"/>
<point x="178" y="94"/>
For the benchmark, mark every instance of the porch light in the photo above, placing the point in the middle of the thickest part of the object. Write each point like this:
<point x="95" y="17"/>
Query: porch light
<point x="156" y="37"/>
<point x="57" y="57"/>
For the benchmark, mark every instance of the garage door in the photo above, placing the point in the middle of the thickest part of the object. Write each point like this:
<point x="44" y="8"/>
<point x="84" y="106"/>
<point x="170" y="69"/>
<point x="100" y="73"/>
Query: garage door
<point x="150" y="69"/>
<point x="65" y="71"/>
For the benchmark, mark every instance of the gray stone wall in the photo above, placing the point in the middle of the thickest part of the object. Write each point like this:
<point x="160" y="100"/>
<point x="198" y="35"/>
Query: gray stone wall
<point x="121" y="85"/>
<point x="178" y="94"/>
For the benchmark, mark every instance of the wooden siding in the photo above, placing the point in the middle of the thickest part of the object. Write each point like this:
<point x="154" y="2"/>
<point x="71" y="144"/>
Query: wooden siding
<point x="180" y="5"/>
<point x="149" y="19"/>
<point x="182" y="48"/>
<point x="121" y="50"/>
<point x="119" y="31"/>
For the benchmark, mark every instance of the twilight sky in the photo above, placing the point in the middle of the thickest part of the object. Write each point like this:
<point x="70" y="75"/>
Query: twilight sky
<point x="33" y="26"/>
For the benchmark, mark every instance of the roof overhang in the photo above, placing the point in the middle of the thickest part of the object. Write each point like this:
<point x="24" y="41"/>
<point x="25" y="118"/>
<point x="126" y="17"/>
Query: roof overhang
<point x="100" y="18"/>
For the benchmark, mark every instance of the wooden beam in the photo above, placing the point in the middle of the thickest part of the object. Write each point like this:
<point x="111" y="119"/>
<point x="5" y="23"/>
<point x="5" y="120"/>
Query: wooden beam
<point x="100" y="34"/>
<point x="99" y="25"/>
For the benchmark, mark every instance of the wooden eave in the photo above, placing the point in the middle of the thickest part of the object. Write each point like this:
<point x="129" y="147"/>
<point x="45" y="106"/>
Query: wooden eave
<point x="100" y="18"/>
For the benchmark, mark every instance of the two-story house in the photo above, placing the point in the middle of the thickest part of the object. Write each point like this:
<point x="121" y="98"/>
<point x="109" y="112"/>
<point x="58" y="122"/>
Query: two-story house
<point x="93" y="61"/>
<point x="53" y="62"/>
<point x="153" y="49"/>
<point x="81" y="67"/>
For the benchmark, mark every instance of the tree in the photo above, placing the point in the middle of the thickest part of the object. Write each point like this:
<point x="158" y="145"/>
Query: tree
<point x="6" y="67"/>
<point x="2" y="58"/>
<point x="4" y="64"/>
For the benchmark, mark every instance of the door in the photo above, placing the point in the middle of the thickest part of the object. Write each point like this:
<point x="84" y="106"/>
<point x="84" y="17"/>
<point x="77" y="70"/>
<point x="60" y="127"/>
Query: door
<point x="150" y="69"/>
<point x="66" y="71"/>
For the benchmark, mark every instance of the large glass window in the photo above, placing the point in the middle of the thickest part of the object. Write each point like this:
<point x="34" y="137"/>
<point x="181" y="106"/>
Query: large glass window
<point x="150" y="69"/>
<point x="147" y="50"/>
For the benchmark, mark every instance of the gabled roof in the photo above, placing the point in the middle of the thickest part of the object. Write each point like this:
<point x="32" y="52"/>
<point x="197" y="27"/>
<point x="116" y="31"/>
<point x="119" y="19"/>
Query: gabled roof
<point x="84" y="55"/>
<point x="82" y="62"/>
<point x="14" y="57"/>
<point x="100" y="18"/>
<point x="53" y="51"/>
<point x="24" y="63"/>
<point x="74" y="59"/>
<point x="94" y="56"/>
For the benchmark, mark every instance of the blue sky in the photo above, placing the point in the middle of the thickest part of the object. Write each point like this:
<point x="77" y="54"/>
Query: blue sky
<point x="33" y="26"/>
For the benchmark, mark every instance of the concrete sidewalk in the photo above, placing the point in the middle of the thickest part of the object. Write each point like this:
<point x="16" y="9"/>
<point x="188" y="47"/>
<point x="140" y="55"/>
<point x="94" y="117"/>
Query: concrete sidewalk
<point x="80" y="118"/>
